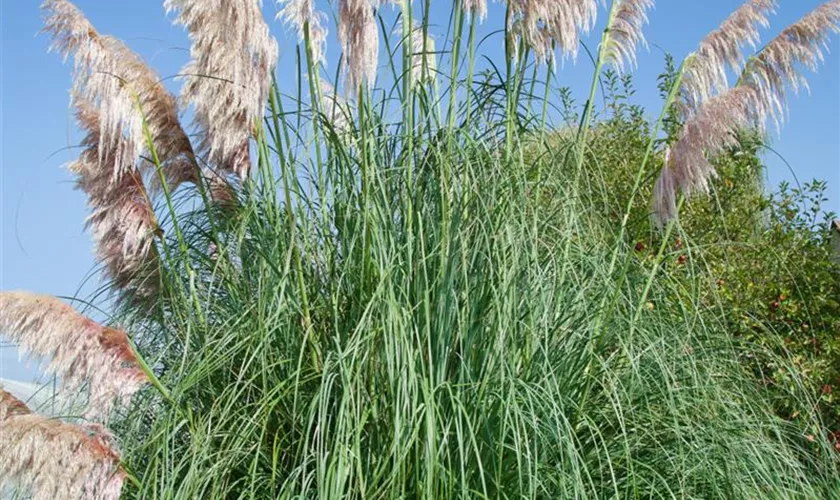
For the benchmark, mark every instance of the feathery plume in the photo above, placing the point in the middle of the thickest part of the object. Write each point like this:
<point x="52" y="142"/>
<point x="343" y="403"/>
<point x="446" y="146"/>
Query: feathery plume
<point x="51" y="459"/>
<point x="710" y="132"/>
<point x="722" y="49"/>
<point x="774" y="68"/>
<point x="122" y="221"/>
<point x="229" y="76"/>
<point x="126" y="91"/>
<point x="300" y="14"/>
<point x="477" y="8"/>
<point x="759" y="95"/>
<point x="542" y="23"/>
<point x="423" y="59"/>
<point x="625" y="32"/>
<point x="359" y="40"/>
<point x="336" y="109"/>
<point x="79" y="349"/>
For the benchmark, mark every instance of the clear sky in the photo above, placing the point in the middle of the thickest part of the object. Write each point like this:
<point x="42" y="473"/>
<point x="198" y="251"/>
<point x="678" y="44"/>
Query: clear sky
<point x="43" y="245"/>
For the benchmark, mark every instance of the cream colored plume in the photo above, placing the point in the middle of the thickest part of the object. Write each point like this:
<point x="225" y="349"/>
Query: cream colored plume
<point x="337" y="110"/>
<point x="759" y="96"/>
<point x="705" y="71"/>
<point x="423" y="58"/>
<point x="122" y="222"/>
<point x="75" y="348"/>
<point x="477" y="8"/>
<point x="359" y="39"/>
<point x="301" y="13"/>
<point x="126" y="91"/>
<point x="541" y="24"/>
<point x="625" y="32"/>
<point x="229" y="76"/>
<point x="52" y="460"/>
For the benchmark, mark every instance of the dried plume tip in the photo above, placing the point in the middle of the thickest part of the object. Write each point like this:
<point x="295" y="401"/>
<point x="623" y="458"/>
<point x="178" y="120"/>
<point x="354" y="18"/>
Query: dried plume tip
<point x="51" y="459"/>
<point x="625" y="32"/>
<point x="722" y="50"/>
<point x="79" y="350"/>
<point x="301" y="14"/>
<point x="126" y="91"/>
<point x="229" y="76"/>
<point x="359" y="39"/>
<point x="122" y="222"/>
<point x="423" y="58"/>
<point x="477" y="8"/>
<point x="11" y="406"/>
<point x="542" y="24"/>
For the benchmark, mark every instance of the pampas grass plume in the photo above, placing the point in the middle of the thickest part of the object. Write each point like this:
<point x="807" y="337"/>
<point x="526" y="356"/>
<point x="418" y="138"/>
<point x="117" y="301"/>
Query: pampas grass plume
<point x="53" y="460"/>
<point x="79" y="350"/>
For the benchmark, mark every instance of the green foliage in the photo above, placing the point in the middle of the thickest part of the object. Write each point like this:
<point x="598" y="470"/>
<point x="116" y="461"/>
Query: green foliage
<point x="764" y="259"/>
<point x="435" y="302"/>
<point x="440" y="321"/>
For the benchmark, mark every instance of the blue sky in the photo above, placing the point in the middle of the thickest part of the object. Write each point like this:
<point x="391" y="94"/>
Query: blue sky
<point x="43" y="245"/>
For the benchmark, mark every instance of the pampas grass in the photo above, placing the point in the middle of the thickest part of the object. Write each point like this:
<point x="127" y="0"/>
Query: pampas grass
<point x="625" y="30"/>
<point x="77" y="349"/>
<point x="359" y="39"/>
<point x="122" y="221"/>
<point x="128" y="94"/>
<point x="722" y="50"/>
<point x="544" y="24"/>
<point x="53" y="460"/>
<point x="228" y="79"/>
<point x="404" y="303"/>
<point x="301" y="15"/>
<point x="758" y="97"/>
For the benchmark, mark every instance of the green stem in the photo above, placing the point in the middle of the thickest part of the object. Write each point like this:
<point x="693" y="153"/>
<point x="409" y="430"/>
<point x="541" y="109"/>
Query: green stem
<point x="304" y="296"/>
<point x="640" y="173"/>
<point x="583" y="131"/>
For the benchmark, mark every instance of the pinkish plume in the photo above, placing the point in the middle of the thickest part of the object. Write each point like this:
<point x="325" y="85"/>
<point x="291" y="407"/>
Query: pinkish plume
<point x="229" y="77"/>
<point x="127" y="92"/>
<point x="705" y="71"/>
<point x="79" y="350"/>
<point x="625" y="32"/>
<point x="775" y="67"/>
<point x="50" y="459"/>
<point x="759" y="95"/>
<point x="541" y="24"/>
<point x="300" y="14"/>
<point x="123" y="222"/>
<point x="359" y="40"/>
<point x="710" y="132"/>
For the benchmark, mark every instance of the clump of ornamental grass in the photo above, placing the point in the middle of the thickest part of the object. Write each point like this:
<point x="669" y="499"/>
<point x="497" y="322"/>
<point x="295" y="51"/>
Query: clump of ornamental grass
<point x="398" y="304"/>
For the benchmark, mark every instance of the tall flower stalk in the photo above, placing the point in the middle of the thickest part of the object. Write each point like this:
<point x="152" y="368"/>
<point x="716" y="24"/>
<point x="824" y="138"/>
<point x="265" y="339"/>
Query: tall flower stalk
<point x="618" y="43"/>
